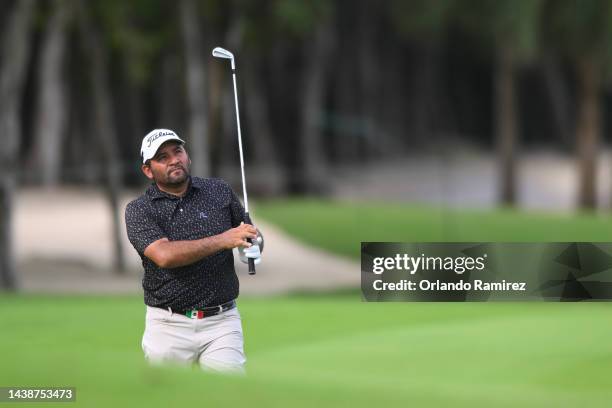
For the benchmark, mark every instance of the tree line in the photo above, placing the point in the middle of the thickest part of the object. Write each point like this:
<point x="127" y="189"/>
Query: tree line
<point x="322" y="83"/>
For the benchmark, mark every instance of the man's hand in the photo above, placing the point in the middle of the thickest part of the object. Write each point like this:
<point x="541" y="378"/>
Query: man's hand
<point x="253" y="251"/>
<point x="237" y="237"/>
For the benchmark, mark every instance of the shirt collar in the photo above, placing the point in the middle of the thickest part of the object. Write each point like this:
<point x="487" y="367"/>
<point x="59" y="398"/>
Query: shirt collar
<point x="154" y="192"/>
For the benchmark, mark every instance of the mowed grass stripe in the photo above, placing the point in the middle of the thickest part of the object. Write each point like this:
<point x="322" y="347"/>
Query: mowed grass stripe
<point x="529" y="358"/>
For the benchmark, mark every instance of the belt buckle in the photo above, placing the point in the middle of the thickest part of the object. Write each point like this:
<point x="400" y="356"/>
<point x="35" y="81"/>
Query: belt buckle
<point x="197" y="314"/>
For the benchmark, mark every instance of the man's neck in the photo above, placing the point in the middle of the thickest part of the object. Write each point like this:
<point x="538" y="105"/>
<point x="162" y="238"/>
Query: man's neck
<point x="177" y="190"/>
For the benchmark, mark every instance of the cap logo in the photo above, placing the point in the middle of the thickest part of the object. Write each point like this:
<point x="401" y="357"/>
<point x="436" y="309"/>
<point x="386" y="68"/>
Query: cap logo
<point x="157" y="135"/>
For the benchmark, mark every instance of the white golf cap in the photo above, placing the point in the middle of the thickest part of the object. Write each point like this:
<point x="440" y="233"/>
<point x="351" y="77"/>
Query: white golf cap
<point x="154" y="139"/>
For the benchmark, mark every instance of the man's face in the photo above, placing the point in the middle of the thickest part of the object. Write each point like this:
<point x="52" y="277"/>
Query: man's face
<point x="169" y="166"/>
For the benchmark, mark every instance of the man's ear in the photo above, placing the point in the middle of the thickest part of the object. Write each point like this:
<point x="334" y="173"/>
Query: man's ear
<point x="146" y="169"/>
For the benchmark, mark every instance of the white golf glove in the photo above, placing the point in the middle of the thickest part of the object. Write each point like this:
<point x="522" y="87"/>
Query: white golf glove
<point x="251" y="252"/>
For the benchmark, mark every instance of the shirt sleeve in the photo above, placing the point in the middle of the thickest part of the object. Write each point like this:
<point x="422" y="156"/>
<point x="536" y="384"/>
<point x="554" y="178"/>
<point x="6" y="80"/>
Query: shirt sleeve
<point x="236" y="209"/>
<point x="142" y="229"/>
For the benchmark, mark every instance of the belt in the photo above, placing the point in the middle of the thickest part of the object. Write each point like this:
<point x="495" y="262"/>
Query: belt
<point x="208" y="311"/>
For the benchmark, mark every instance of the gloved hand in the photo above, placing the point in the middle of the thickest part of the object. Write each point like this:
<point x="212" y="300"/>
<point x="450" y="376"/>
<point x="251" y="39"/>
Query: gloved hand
<point x="251" y="252"/>
<point x="254" y="251"/>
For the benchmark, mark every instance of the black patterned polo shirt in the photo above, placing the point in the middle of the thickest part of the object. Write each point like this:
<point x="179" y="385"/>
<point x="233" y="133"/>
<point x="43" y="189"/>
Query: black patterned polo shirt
<point x="209" y="208"/>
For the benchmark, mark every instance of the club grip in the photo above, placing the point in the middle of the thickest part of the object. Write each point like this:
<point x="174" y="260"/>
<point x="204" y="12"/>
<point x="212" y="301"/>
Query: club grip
<point x="247" y="220"/>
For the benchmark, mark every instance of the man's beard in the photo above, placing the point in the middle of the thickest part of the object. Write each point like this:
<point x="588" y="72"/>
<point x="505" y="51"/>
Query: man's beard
<point x="174" y="178"/>
<point x="182" y="176"/>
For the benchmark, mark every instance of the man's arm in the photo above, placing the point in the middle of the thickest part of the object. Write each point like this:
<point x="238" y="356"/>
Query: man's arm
<point x="173" y="254"/>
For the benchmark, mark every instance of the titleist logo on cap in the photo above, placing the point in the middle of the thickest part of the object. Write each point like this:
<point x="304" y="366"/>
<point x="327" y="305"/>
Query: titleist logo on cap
<point x="157" y="135"/>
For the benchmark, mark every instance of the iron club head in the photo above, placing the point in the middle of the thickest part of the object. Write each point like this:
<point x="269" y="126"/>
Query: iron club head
<point x="219" y="52"/>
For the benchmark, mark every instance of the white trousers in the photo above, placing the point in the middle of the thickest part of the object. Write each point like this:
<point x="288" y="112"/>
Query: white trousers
<point x="215" y="342"/>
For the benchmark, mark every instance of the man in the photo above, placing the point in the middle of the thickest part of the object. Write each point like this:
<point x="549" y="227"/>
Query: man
<point x="184" y="229"/>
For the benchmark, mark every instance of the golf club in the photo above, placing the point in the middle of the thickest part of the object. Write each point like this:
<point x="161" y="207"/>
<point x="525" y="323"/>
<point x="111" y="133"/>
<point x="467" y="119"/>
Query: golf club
<point x="219" y="52"/>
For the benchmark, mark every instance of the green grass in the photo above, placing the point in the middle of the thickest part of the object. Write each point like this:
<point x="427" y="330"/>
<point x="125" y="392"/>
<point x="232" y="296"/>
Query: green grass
<point x="340" y="227"/>
<point x="328" y="350"/>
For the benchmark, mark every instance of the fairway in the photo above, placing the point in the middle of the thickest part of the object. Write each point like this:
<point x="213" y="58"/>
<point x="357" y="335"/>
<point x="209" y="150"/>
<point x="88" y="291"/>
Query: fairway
<point x="339" y="227"/>
<point x="332" y="350"/>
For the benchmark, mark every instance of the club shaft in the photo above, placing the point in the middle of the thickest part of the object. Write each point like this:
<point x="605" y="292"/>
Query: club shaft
<point x="244" y="190"/>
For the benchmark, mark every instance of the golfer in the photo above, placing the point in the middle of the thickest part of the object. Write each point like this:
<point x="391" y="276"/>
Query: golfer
<point x="184" y="229"/>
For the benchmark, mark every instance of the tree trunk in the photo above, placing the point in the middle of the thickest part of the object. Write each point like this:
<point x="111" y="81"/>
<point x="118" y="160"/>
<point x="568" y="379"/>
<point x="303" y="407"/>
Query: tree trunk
<point x="215" y="102"/>
<point x="372" y="141"/>
<point x="559" y="99"/>
<point x="79" y="164"/>
<point x="588" y="129"/>
<point x="394" y="118"/>
<point x="133" y="93"/>
<point x="197" y="134"/>
<point x="506" y="124"/>
<point x="222" y="119"/>
<point x="345" y="143"/>
<point x="265" y="152"/>
<point x="170" y="96"/>
<point x="16" y="48"/>
<point x="51" y="116"/>
<point x="229" y="161"/>
<point x="105" y="127"/>
<point x="423" y="95"/>
<point x="317" y="55"/>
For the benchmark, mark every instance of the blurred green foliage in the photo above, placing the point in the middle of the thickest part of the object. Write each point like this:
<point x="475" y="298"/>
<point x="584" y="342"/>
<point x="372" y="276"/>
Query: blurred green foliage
<point x="579" y="28"/>
<point x="510" y="23"/>
<point x="137" y="30"/>
<point x="421" y="18"/>
<point x="301" y="17"/>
